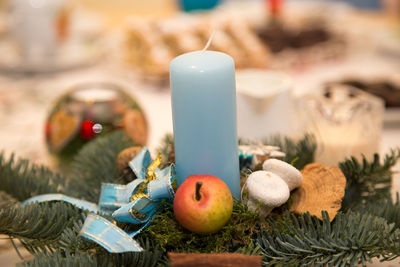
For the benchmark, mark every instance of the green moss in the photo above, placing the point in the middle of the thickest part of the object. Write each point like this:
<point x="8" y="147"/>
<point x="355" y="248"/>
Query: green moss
<point x="172" y="237"/>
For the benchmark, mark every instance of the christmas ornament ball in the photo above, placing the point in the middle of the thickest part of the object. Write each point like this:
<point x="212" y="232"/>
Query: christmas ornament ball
<point x="90" y="110"/>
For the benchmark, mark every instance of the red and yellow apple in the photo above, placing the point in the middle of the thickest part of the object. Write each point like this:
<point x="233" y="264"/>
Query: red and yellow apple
<point x="203" y="204"/>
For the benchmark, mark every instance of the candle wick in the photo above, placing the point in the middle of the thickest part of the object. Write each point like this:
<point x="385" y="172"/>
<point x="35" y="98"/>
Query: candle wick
<point x="209" y="41"/>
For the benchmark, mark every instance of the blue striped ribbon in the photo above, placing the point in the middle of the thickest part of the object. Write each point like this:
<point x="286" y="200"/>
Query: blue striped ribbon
<point x="134" y="203"/>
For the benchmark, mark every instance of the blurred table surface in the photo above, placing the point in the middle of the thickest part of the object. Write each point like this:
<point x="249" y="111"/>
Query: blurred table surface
<point x="25" y="101"/>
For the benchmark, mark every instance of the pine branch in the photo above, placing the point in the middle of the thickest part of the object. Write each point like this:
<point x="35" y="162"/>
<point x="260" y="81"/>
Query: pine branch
<point x="300" y="152"/>
<point x="368" y="182"/>
<point x="70" y="239"/>
<point x="167" y="150"/>
<point x="46" y="226"/>
<point x="39" y="226"/>
<point x="6" y="199"/>
<point x="351" y="239"/>
<point x="95" y="164"/>
<point x="151" y="257"/>
<point x="357" y="171"/>
<point x="60" y="258"/>
<point x="22" y="180"/>
<point x="386" y="209"/>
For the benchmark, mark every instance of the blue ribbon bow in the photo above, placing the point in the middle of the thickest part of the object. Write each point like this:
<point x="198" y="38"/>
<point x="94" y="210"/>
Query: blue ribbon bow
<point x="135" y="203"/>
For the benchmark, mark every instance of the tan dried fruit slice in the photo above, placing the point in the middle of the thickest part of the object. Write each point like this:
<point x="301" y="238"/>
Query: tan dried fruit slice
<point x="135" y="126"/>
<point x="63" y="127"/>
<point x="322" y="189"/>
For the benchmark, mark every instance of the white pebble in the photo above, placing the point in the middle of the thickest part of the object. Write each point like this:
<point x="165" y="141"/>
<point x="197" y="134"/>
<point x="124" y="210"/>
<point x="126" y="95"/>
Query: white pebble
<point x="287" y="172"/>
<point x="266" y="191"/>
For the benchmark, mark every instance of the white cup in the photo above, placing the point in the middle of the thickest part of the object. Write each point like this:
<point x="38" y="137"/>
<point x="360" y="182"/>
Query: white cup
<point x="33" y="25"/>
<point x="265" y="106"/>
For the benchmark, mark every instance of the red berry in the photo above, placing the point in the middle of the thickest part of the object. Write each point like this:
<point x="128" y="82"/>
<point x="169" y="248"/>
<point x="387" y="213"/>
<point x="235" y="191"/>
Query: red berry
<point x="87" y="130"/>
<point x="47" y="130"/>
<point x="275" y="7"/>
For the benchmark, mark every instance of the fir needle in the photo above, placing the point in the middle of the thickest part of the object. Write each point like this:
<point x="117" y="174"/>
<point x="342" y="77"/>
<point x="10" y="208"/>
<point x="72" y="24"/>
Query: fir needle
<point x="16" y="248"/>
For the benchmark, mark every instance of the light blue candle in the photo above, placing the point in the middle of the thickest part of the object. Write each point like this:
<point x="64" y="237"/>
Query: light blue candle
<point x="204" y="117"/>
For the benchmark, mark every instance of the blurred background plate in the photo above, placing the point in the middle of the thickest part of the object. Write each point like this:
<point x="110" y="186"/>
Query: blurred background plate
<point x="69" y="56"/>
<point x="82" y="45"/>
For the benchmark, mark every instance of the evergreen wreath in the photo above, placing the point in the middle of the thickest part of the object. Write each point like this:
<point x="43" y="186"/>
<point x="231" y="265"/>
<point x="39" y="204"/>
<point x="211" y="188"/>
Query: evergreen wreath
<point x="367" y="226"/>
